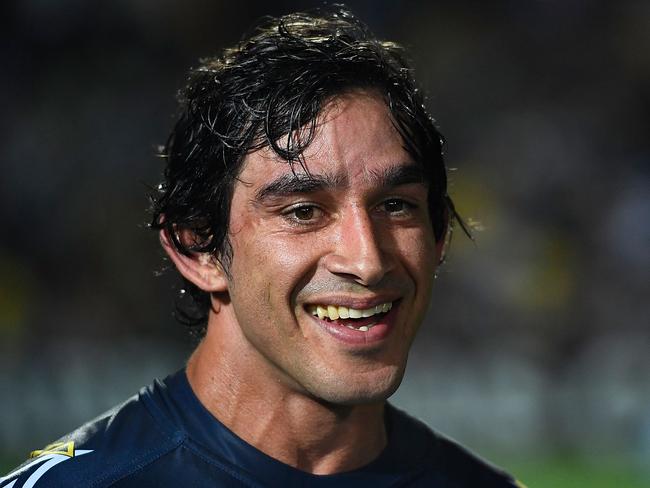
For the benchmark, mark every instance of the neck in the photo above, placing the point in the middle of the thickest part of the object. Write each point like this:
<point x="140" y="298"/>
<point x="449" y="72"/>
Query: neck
<point x="238" y="386"/>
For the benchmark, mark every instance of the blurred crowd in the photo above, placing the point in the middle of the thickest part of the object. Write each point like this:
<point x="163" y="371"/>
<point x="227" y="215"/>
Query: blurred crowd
<point x="537" y="338"/>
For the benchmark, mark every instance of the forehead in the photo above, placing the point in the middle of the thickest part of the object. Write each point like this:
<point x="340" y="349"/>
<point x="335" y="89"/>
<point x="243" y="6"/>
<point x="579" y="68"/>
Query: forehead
<point x="355" y="138"/>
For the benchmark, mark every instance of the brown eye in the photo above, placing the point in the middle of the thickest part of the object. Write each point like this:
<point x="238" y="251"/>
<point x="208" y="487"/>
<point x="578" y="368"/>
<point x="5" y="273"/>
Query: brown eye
<point x="304" y="213"/>
<point x="394" y="206"/>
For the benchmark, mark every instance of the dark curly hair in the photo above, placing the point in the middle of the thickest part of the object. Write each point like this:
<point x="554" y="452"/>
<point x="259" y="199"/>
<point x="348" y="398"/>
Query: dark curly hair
<point x="275" y="82"/>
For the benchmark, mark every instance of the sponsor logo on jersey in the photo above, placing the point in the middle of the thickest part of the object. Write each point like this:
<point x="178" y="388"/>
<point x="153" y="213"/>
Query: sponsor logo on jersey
<point x="64" y="448"/>
<point x="47" y="458"/>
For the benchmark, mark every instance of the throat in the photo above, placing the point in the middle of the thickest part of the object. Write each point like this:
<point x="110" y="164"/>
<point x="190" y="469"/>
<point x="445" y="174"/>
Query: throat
<point x="334" y="440"/>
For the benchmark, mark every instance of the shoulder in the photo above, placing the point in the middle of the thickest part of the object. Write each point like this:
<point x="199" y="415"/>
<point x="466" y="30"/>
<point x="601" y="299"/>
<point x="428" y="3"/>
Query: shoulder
<point x="117" y="444"/>
<point x="443" y="461"/>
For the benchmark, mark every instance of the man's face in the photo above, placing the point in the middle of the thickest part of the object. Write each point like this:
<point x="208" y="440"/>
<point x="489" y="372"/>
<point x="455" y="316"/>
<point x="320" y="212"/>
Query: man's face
<point x="353" y="237"/>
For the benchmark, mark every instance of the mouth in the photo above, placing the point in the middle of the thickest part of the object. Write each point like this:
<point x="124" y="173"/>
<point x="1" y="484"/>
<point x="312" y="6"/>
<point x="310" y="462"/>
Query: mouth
<point x="356" y="327"/>
<point x="353" y="318"/>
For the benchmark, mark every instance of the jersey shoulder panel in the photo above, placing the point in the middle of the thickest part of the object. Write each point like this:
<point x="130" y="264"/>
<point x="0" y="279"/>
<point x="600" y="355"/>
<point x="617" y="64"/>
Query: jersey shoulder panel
<point x="449" y="464"/>
<point x="465" y="468"/>
<point x="115" y="445"/>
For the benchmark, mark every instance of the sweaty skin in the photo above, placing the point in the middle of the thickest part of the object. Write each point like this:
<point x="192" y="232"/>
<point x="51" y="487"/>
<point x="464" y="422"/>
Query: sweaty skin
<point x="353" y="233"/>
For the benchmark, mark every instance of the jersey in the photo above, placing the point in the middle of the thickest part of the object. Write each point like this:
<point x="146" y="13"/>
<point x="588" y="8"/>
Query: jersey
<point x="165" y="437"/>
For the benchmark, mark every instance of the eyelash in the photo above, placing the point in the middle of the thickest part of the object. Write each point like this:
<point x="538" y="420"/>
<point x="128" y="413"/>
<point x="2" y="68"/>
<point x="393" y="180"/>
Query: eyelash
<point x="290" y="214"/>
<point x="407" y="208"/>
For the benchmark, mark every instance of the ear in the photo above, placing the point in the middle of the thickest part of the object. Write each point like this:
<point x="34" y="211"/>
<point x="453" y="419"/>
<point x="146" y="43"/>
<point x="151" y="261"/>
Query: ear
<point x="199" y="268"/>
<point x="442" y="244"/>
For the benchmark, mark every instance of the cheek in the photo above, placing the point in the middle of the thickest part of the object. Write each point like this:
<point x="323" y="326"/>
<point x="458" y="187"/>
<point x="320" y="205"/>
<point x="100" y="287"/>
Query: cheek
<point x="417" y="250"/>
<point x="271" y="267"/>
<point x="420" y="262"/>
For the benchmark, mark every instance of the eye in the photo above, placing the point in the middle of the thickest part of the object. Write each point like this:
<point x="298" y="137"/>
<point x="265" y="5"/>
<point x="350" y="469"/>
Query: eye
<point x="303" y="214"/>
<point x="394" y="205"/>
<point x="397" y="207"/>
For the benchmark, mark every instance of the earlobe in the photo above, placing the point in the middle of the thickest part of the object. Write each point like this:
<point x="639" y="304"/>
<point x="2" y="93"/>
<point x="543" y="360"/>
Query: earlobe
<point x="202" y="269"/>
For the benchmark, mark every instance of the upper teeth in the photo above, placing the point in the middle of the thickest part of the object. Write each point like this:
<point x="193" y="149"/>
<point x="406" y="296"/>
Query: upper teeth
<point x="334" y="312"/>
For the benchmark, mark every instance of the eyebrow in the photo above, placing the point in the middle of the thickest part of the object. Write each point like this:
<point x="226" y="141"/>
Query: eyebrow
<point x="295" y="183"/>
<point x="300" y="183"/>
<point x="399" y="174"/>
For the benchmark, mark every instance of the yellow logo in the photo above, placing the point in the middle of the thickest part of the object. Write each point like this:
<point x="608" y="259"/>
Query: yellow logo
<point x="64" y="448"/>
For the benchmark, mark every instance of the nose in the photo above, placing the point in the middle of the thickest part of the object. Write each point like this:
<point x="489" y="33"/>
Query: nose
<point x="358" y="252"/>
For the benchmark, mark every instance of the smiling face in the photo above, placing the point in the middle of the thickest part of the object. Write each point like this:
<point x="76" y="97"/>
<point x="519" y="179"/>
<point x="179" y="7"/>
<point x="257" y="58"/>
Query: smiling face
<point x="332" y="269"/>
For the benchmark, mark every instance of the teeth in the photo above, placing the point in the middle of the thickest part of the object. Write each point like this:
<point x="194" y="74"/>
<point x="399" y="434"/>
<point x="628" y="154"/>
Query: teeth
<point x="334" y="312"/>
<point x="363" y="328"/>
<point x="321" y="312"/>
<point x="369" y="312"/>
<point x="344" y="312"/>
<point x="355" y="314"/>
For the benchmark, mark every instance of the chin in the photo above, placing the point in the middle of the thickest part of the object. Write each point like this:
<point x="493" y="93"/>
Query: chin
<point x="359" y="391"/>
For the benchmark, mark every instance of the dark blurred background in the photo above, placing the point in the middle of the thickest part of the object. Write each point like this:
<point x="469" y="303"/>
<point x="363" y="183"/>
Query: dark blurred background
<point x="536" y="351"/>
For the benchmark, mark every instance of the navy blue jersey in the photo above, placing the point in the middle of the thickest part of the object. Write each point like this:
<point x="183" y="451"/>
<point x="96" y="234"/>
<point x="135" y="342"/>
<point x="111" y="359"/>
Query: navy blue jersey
<point x="164" y="437"/>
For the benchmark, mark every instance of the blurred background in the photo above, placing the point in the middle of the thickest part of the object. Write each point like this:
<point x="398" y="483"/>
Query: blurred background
<point x="536" y="350"/>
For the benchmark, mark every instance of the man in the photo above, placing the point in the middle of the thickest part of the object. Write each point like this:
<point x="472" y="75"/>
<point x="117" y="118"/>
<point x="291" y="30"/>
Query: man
<point x="305" y="206"/>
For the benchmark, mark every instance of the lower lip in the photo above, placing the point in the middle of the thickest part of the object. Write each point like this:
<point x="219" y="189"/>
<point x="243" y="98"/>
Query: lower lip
<point x="372" y="336"/>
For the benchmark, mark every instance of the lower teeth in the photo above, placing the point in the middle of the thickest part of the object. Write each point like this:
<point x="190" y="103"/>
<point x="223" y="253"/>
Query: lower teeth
<point x="363" y="328"/>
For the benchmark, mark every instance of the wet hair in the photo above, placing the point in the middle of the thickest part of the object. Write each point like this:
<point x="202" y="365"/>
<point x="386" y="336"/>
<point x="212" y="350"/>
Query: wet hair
<point x="275" y="83"/>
